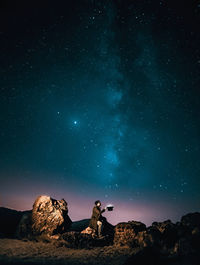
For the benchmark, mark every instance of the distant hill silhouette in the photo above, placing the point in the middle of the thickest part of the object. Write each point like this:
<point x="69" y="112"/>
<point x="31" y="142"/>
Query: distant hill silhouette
<point x="9" y="220"/>
<point x="79" y="225"/>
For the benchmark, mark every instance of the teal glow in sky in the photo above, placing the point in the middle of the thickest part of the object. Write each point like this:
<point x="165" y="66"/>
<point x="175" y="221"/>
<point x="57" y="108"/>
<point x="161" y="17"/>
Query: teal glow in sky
<point x="101" y="101"/>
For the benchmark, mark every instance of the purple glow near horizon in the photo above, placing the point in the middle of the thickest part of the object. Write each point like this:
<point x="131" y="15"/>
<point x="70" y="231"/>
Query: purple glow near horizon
<point x="80" y="207"/>
<point x="100" y="100"/>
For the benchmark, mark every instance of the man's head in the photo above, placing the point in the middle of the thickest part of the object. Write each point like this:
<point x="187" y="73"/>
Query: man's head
<point x="98" y="203"/>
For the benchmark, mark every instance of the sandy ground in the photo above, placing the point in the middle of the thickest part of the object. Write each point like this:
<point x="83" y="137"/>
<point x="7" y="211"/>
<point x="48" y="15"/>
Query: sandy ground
<point x="13" y="251"/>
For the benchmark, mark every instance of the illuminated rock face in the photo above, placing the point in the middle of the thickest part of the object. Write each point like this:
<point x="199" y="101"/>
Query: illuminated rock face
<point x="126" y="233"/>
<point x="167" y="238"/>
<point x="50" y="216"/>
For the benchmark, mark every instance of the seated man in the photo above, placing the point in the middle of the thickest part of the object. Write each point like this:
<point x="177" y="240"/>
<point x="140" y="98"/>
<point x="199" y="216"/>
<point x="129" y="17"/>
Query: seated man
<point x="97" y="218"/>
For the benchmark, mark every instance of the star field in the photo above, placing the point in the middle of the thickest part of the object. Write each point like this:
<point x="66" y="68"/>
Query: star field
<point x="100" y="100"/>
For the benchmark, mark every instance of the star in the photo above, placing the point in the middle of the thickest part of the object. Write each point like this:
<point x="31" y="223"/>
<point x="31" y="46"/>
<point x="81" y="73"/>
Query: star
<point x="113" y="119"/>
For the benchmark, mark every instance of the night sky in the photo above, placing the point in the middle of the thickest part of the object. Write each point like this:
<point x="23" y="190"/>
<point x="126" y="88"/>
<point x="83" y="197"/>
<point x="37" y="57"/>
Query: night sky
<point x="101" y="100"/>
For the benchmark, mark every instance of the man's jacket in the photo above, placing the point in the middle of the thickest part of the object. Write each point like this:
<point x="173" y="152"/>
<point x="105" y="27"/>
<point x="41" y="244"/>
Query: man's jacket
<point x="96" y="216"/>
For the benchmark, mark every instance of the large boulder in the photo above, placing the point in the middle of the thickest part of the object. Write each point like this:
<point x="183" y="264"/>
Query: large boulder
<point x="50" y="216"/>
<point x="126" y="233"/>
<point x="151" y="237"/>
<point x="169" y="239"/>
<point x="191" y="220"/>
<point x="182" y="238"/>
<point x="188" y="239"/>
<point x="163" y="226"/>
<point x="169" y="234"/>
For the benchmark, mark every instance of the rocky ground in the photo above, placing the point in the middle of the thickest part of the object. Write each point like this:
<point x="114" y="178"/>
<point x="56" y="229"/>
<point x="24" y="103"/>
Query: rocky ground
<point x="13" y="251"/>
<point x="46" y="235"/>
<point x="19" y="252"/>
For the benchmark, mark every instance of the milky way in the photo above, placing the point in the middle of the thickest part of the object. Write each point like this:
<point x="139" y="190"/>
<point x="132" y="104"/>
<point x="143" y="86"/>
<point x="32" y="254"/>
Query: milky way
<point x="101" y="101"/>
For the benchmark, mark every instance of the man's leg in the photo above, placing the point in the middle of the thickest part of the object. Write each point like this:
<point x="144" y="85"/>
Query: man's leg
<point x="99" y="224"/>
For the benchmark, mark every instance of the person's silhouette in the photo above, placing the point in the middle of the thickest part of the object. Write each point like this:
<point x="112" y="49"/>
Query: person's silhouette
<point x="96" y="220"/>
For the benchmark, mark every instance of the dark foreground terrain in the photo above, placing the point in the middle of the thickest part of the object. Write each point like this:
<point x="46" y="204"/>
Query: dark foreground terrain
<point x="19" y="252"/>
<point x="46" y="235"/>
<point x="13" y="251"/>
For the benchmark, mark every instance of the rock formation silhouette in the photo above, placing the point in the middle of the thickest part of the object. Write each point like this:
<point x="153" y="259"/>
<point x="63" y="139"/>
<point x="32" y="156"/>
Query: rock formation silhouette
<point x="48" y="217"/>
<point x="161" y="242"/>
